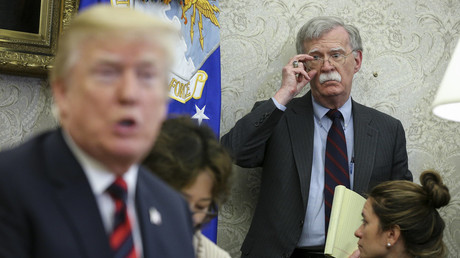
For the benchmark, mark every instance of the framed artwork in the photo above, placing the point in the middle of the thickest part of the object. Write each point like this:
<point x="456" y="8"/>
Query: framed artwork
<point x="29" y="30"/>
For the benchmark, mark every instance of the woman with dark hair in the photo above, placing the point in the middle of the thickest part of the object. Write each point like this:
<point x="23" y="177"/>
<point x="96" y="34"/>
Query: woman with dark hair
<point x="400" y="219"/>
<point x="190" y="159"/>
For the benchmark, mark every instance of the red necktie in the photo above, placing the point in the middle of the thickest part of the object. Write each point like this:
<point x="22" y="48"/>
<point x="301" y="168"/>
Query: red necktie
<point x="121" y="239"/>
<point x="336" y="161"/>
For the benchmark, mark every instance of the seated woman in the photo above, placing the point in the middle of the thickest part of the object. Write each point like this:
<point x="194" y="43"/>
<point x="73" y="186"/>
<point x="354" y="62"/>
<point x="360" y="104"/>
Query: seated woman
<point x="192" y="161"/>
<point x="400" y="219"/>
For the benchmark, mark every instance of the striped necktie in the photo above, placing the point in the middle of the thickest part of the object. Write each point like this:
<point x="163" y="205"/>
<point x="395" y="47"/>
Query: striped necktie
<point x="121" y="239"/>
<point x="336" y="161"/>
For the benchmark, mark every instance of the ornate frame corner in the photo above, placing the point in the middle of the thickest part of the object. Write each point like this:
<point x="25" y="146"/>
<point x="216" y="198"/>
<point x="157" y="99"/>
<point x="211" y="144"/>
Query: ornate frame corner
<point x="32" y="54"/>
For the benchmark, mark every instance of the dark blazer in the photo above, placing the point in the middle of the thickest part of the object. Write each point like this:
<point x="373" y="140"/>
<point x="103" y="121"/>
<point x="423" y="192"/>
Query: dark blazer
<point x="282" y="143"/>
<point x="47" y="208"/>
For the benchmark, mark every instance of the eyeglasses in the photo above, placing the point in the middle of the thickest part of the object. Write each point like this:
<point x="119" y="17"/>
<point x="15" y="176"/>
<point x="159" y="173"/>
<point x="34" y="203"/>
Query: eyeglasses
<point x="210" y="212"/>
<point x="334" y="59"/>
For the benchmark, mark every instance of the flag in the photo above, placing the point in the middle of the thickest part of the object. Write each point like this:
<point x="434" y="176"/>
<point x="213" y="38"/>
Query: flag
<point x="194" y="84"/>
<point x="85" y="3"/>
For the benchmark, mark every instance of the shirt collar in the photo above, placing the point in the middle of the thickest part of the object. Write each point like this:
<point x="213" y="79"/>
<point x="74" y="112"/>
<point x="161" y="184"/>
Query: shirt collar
<point x="320" y="111"/>
<point x="99" y="177"/>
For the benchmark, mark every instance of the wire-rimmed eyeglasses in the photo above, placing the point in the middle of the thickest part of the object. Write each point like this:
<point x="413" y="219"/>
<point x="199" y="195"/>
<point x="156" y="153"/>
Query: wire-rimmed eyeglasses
<point x="209" y="213"/>
<point x="334" y="59"/>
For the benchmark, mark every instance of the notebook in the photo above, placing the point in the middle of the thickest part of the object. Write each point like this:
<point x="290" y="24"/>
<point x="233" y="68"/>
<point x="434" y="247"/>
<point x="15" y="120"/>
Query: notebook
<point x="347" y="206"/>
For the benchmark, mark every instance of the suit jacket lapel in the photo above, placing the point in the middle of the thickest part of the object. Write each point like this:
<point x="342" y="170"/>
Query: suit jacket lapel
<point x="76" y="198"/>
<point x="144" y="204"/>
<point x="301" y="128"/>
<point x="365" y="146"/>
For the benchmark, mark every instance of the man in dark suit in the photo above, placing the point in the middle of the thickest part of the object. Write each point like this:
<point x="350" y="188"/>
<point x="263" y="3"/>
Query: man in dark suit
<point x="79" y="191"/>
<point x="288" y="136"/>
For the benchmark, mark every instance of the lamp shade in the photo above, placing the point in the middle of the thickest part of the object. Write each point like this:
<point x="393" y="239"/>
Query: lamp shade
<point x="446" y="104"/>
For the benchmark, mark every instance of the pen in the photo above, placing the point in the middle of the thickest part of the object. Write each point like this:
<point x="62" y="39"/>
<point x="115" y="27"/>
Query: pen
<point x="352" y="165"/>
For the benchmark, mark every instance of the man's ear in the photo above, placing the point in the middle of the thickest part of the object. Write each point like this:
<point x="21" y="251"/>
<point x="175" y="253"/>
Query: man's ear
<point x="60" y="95"/>
<point x="358" y="60"/>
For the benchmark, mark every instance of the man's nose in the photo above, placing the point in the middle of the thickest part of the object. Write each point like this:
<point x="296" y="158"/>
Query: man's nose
<point x="327" y="65"/>
<point x="128" y="90"/>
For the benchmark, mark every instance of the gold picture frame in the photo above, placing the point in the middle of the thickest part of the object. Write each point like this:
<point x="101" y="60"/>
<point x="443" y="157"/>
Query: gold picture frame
<point x="32" y="54"/>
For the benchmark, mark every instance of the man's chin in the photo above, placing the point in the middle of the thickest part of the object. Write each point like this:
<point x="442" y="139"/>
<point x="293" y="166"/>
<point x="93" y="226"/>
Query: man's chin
<point x="128" y="151"/>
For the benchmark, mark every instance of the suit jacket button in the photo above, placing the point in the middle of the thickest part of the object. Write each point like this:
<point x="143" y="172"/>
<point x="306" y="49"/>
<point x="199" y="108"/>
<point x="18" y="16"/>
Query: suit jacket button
<point x="301" y="222"/>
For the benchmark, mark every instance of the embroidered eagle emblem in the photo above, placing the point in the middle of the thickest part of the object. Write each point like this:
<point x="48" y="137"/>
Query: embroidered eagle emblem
<point x="205" y="9"/>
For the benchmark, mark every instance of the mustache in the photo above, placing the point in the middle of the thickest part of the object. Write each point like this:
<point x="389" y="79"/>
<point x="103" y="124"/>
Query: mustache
<point x="332" y="76"/>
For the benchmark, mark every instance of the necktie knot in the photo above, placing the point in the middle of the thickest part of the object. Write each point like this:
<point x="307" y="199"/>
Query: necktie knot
<point x="334" y="114"/>
<point x="118" y="189"/>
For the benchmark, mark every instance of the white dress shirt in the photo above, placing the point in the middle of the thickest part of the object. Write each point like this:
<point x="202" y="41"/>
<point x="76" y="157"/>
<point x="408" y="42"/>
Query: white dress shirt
<point x="100" y="178"/>
<point x="314" y="225"/>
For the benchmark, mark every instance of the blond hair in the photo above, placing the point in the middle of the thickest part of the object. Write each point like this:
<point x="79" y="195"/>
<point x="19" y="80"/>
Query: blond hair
<point x="413" y="208"/>
<point x="101" y="21"/>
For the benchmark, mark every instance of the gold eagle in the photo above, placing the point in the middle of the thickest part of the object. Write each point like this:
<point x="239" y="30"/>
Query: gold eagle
<point x="204" y="8"/>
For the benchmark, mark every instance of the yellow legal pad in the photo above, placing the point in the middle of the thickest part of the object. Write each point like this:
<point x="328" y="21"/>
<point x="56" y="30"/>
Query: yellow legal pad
<point x="347" y="206"/>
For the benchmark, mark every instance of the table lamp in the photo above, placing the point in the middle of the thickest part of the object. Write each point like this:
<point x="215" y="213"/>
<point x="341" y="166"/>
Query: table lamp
<point x="446" y="104"/>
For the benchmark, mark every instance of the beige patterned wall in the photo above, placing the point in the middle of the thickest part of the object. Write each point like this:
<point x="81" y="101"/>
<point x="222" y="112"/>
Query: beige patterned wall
<point x="407" y="45"/>
<point x="24" y="109"/>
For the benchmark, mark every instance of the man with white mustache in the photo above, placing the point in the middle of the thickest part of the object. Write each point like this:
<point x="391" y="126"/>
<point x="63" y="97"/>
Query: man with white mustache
<point x="287" y="137"/>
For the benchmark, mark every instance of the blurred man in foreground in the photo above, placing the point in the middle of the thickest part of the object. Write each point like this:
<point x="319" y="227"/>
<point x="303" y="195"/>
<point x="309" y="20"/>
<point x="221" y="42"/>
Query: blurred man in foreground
<point x="78" y="191"/>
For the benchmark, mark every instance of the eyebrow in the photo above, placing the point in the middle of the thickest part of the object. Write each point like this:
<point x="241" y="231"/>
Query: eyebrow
<point x="205" y="200"/>
<point x="105" y="62"/>
<point x="200" y="200"/>
<point x="335" y="49"/>
<point x="110" y="59"/>
<point x="148" y="60"/>
<point x="313" y="50"/>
